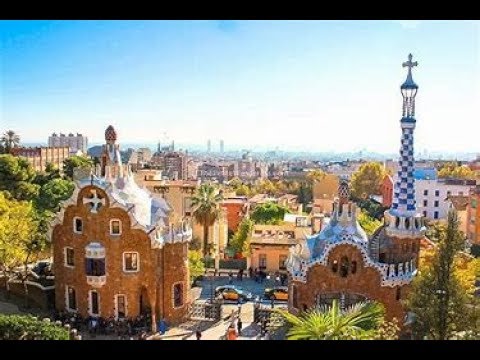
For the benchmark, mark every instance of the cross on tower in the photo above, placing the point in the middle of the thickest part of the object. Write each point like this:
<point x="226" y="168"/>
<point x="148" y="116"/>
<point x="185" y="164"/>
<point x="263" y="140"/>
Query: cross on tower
<point x="95" y="201"/>
<point x="409" y="63"/>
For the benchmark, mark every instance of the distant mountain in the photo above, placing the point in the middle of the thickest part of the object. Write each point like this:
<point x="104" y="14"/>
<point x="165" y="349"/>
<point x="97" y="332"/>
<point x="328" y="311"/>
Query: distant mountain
<point x="95" y="151"/>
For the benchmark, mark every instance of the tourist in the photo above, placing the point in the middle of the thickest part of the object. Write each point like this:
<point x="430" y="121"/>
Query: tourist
<point x="198" y="334"/>
<point x="250" y="272"/>
<point x="239" y="326"/>
<point x="230" y="278"/>
<point x="231" y="333"/>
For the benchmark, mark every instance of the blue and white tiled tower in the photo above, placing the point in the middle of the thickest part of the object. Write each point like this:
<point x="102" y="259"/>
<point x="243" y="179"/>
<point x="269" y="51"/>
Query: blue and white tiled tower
<point x="403" y="218"/>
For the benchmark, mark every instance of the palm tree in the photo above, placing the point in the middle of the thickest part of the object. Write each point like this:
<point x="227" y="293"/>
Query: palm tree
<point x="360" y="321"/>
<point x="206" y="204"/>
<point x="10" y="140"/>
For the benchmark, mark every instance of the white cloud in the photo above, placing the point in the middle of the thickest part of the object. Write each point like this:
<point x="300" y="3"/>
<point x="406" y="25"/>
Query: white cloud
<point x="408" y="24"/>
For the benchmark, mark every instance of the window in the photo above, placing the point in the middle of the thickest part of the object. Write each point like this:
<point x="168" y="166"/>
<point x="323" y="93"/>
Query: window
<point x="424" y="214"/>
<point x="399" y="294"/>
<point x="294" y="297"/>
<point x="69" y="258"/>
<point x="460" y="193"/>
<point x="435" y="204"/>
<point x="335" y="266"/>
<point x="344" y="266"/>
<point x="425" y="192"/>
<point x="281" y="262"/>
<point x="425" y="203"/>
<point x="115" y="227"/>
<point x="95" y="267"/>
<point x="437" y="192"/>
<point x="94" y="303"/>
<point x="435" y="215"/>
<point x="178" y="295"/>
<point x="262" y="261"/>
<point x="71" y="298"/>
<point x="77" y="225"/>
<point x="354" y="267"/>
<point x="121" y="306"/>
<point x="187" y="206"/>
<point x="130" y="262"/>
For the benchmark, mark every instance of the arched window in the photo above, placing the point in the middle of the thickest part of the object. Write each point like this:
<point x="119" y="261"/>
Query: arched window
<point x="344" y="266"/>
<point x="354" y="267"/>
<point x="397" y="221"/>
<point x="407" y="223"/>
<point x="335" y="266"/>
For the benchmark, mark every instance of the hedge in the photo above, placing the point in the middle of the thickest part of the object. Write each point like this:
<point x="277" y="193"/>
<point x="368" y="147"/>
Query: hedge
<point x="26" y="327"/>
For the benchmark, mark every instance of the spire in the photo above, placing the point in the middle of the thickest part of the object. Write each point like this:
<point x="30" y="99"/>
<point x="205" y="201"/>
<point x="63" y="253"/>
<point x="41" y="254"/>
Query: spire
<point x="404" y="194"/>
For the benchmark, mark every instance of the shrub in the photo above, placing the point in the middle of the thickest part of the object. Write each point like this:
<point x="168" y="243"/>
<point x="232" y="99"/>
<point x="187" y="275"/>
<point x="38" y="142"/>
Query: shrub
<point x="26" y="327"/>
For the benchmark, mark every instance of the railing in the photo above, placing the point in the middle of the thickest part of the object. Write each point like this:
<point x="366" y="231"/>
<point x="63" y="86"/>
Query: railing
<point x="96" y="280"/>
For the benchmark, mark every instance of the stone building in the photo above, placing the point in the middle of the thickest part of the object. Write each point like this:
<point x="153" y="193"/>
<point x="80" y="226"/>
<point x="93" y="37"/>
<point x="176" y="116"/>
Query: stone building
<point x="76" y="142"/>
<point x="117" y="251"/>
<point x="341" y="262"/>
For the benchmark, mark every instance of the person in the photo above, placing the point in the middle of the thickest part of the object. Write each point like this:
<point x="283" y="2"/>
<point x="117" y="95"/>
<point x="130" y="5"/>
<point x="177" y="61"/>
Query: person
<point x="230" y="278"/>
<point x="231" y="333"/>
<point x="272" y="301"/>
<point x="240" y="275"/>
<point x="198" y="334"/>
<point x="239" y="326"/>
<point x="239" y="306"/>
<point x="250" y="272"/>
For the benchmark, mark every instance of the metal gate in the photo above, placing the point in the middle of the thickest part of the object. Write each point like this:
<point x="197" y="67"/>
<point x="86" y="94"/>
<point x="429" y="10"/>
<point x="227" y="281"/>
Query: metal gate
<point x="205" y="311"/>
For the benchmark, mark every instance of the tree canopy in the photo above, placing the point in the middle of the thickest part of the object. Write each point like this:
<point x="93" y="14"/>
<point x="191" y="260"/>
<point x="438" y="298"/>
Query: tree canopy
<point x="366" y="181"/>
<point x="358" y="322"/>
<point x="269" y="213"/>
<point x="9" y="140"/>
<point x="26" y="327"/>
<point x="196" y="265"/>
<point x="73" y="162"/>
<point x="17" y="176"/>
<point x="452" y="170"/>
<point x="441" y="294"/>
<point x="240" y="241"/>
<point x="368" y="223"/>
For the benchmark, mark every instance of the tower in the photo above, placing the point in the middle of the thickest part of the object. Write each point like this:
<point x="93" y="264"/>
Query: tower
<point x="402" y="218"/>
<point x="222" y="148"/>
<point x="111" y="158"/>
<point x="209" y="145"/>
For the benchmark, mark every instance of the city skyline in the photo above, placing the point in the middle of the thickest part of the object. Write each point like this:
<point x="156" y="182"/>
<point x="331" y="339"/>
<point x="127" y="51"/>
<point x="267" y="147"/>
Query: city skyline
<point x="254" y="84"/>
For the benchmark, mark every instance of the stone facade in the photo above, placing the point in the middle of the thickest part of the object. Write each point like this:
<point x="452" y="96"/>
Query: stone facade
<point x="39" y="157"/>
<point x="117" y="251"/>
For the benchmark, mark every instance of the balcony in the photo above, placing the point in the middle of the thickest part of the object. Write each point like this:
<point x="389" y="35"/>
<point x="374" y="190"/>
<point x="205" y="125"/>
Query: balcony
<point x="96" y="281"/>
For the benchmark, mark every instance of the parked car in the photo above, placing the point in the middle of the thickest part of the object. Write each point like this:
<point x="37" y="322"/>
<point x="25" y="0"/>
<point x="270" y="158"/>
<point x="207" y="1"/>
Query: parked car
<point x="276" y="293"/>
<point x="41" y="268"/>
<point x="234" y="293"/>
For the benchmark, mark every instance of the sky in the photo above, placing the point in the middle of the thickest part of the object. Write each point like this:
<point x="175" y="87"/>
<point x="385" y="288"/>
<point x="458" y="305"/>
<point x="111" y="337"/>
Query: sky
<point x="291" y="85"/>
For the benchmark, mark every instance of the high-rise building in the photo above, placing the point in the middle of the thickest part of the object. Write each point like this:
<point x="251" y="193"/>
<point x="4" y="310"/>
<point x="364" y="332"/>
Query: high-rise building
<point x="222" y="148"/>
<point x="341" y="262"/>
<point x="74" y="142"/>
<point x="209" y="145"/>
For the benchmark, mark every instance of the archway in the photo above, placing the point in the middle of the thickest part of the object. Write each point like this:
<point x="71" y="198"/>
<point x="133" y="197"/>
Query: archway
<point x="145" y="307"/>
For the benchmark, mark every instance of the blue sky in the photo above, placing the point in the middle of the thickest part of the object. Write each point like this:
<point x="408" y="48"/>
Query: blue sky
<point x="315" y="85"/>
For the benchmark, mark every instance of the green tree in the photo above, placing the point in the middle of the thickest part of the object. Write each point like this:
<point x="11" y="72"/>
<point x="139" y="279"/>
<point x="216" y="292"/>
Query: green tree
<point x="196" y="265"/>
<point x="206" y="204"/>
<point x="16" y="178"/>
<point x="9" y="140"/>
<point x="53" y="193"/>
<point x="269" y="213"/>
<point x="21" y="238"/>
<point x="315" y="175"/>
<point x="439" y="298"/>
<point x="26" y="327"/>
<point x="366" y="180"/>
<point x="73" y="162"/>
<point x="451" y="170"/>
<point x="368" y="223"/>
<point x="51" y="172"/>
<point x="242" y="190"/>
<point x="241" y="239"/>
<point x="357" y="322"/>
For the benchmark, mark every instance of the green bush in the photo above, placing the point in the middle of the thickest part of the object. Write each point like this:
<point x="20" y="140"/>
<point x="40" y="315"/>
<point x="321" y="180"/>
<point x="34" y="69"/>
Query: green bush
<point x="26" y="327"/>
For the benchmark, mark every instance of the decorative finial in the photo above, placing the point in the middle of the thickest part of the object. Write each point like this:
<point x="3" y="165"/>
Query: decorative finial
<point x="409" y="63"/>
